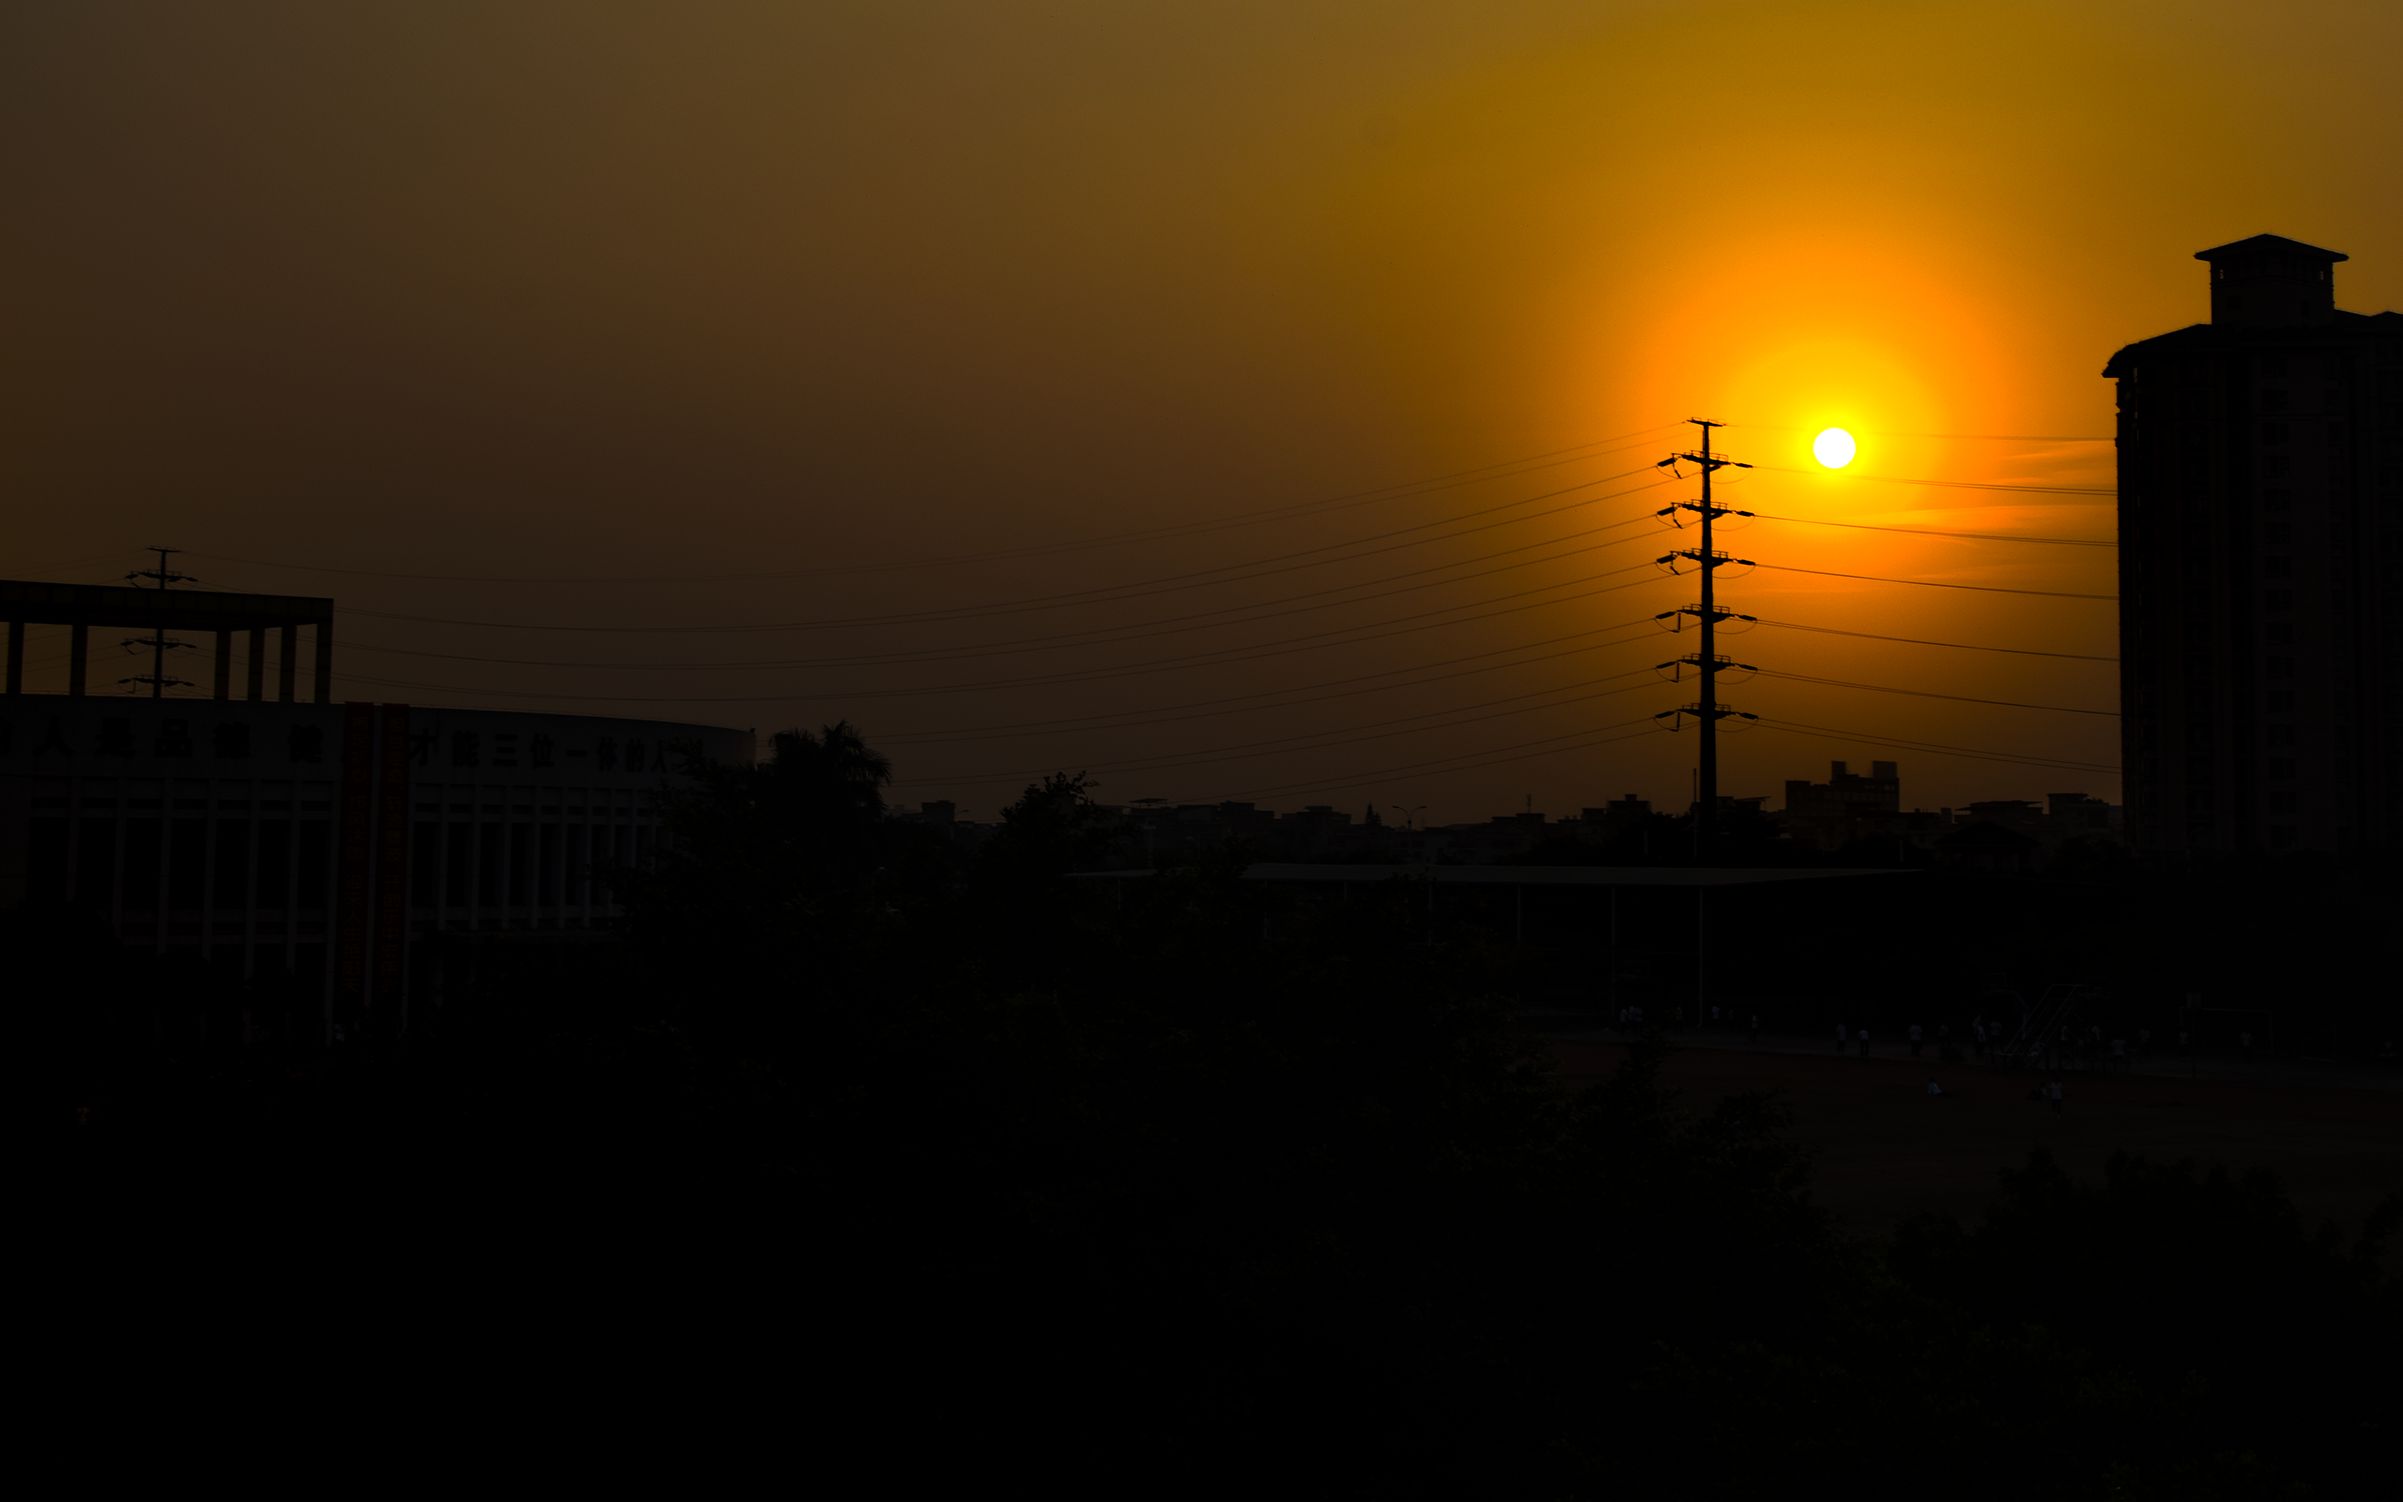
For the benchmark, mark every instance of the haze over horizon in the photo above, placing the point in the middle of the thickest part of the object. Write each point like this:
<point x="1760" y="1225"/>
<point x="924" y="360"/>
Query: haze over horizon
<point x="1236" y="400"/>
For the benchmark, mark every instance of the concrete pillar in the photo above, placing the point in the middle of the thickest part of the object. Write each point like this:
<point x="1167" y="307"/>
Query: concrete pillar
<point x="257" y="687"/>
<point x="79" y="657"/>
<point x="16" y="658"/>
<point x="222" y="687"/>
<point x="324" y="690"/>
<point x="287" y="640"/>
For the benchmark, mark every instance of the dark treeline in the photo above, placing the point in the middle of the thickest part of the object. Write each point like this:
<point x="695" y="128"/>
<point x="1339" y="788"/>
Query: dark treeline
<point x="904" y="1164"/>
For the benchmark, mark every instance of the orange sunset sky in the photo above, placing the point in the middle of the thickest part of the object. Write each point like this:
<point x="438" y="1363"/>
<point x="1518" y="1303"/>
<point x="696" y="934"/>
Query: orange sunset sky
<point x="1236" y="400"/>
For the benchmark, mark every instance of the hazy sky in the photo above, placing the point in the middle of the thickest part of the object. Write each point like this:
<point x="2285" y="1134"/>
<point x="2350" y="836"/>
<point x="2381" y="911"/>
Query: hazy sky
<point x="1184" y="311"/>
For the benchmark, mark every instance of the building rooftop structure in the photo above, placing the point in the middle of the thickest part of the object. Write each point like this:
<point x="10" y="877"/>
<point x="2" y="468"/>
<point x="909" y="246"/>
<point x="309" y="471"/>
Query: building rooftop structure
<point x="81" y="607"/>
<point x="2267" y="284"/>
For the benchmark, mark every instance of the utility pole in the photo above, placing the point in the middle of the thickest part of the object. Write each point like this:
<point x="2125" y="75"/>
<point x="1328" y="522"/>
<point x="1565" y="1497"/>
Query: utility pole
<point x="157" y="640"/>
<point x="1708" y="664"/>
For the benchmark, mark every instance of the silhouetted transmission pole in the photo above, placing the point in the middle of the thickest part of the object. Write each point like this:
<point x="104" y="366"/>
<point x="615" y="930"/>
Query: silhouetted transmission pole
<point x="1707" y="710"/>
<point x="157" y="641"/>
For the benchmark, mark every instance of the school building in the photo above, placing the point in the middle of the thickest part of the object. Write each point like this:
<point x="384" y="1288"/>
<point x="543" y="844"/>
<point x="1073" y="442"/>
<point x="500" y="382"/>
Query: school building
<point x="326" y="852"/>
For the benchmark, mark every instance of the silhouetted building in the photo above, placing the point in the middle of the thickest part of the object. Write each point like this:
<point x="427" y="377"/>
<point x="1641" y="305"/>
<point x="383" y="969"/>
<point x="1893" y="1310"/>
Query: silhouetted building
<point x="1846" y="806"/>
<point x="2260" y="522"/>
<point x="1318" y="831"/>
<point x="312" y="847"/>
<point x="1166" y="832"/>
<point x="2074" y="814"/>
<point x="1629" y="812"/>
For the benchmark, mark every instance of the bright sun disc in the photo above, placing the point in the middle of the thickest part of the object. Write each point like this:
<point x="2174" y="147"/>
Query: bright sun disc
<point x="1834" y="448"/>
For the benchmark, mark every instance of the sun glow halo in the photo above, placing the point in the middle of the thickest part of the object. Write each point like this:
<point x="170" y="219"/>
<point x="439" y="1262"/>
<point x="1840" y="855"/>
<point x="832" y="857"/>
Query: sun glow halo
<point x="1833" y="448"/>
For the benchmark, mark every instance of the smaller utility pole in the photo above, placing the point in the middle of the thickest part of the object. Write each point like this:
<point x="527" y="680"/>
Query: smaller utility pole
<point x="157" y="641"/>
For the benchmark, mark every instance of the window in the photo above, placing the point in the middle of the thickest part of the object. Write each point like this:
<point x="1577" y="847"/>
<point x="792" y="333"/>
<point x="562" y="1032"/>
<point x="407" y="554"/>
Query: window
<point x="425" y="852"/>
<point x="187" y="856"/>
<point x="95" y="860"/>
<point x="457" y="841"/>
<point x="316" y="848"/>
<point x="275" y="863"/>
<point x="232" y="872"/>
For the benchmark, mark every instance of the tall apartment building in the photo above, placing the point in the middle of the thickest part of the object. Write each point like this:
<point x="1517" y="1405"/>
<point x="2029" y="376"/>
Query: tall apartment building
<point x="2260" y="521"/>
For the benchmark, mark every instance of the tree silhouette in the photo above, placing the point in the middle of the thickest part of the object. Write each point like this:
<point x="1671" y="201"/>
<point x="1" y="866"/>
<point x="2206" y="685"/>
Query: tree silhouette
<point x="777" y="879"/>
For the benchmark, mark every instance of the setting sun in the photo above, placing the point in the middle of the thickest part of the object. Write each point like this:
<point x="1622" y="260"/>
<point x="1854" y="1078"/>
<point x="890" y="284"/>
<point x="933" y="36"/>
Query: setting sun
<point x="1834" y="448"/>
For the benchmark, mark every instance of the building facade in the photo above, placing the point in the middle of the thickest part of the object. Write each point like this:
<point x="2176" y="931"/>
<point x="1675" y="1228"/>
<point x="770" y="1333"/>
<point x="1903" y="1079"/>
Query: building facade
<point x="2260" y="527"/>
<point x="325" y="850"/>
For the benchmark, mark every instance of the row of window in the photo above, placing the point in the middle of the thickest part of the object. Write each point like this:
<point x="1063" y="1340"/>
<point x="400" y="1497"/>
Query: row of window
<point x="131" y="865"/>
<point x="279" y="865"/>
<point x="519" y="863"/>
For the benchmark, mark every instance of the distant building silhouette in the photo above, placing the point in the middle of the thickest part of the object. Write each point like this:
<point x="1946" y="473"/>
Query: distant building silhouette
<point x="2260" y="522"/>
<point x="1626" y="812"/>
<point x="1846" y="806"/>
<point x="2074" y="814"/>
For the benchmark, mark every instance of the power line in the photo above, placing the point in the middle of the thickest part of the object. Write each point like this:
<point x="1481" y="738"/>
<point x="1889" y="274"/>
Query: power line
<point x="1466" y="762"/>
<point x="1320" y="740"/>
<point x="2093" y="490"/>
<point x="1991" y="589"/>
<point x="1308" y="643"/>
<point x="1754" y="427"/>
<point x="1922" y="693"/>
<point x="2065" y="542"/>
<point x="1921" y="641"/>
<point x="1100" y="635"/>
<point x="79" y="565"/>
<point x="1827" y="732"/>
<point x="1501" y="469"/>
<point x="1085" y="596"/>
<point x="1316" y="693"/>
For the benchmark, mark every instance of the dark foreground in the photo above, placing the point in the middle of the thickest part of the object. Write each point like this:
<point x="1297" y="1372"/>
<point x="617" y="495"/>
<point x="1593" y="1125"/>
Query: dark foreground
<point x="856" y="1168"/>
<point x="1188" y="1253"/>
<point x="1882" y="1150"/>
